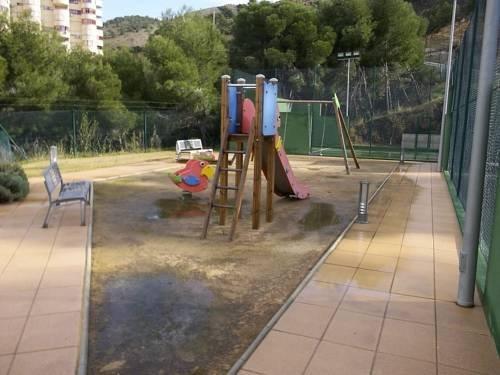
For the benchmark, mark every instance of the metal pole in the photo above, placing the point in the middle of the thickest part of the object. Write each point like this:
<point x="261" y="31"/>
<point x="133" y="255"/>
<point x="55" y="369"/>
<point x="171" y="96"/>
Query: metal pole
<point x="73" y="119"/>
<point x="468" y="253"/>
<point x="447" y="85"/>
<point x="144" y="141"/>
<point x="348" y="84"/>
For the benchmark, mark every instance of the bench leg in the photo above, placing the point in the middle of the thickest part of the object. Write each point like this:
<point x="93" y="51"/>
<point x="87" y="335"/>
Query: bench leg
<point x="46" y="220"/>
<point x="88" y="195"/>
<point x="83" y="212"/>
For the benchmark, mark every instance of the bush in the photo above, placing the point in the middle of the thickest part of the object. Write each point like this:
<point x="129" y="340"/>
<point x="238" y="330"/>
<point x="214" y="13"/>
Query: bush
<point x="14" y="183"/>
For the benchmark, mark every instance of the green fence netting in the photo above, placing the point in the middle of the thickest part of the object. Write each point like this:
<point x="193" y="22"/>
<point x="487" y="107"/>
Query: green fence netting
<point x="384" y="104"/>
<point x="458" y="143"/>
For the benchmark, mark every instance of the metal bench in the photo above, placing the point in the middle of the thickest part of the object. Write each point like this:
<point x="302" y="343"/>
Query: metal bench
<point x="78" y="191"/>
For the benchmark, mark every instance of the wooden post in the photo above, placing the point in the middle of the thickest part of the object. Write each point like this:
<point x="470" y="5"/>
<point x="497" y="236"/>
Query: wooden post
<point x="349" y="142"/>
<point x="271" y="165"/>
<point x="341" y="138"/>
<point x="257" y="172"/>
<point x="224" y="123"/>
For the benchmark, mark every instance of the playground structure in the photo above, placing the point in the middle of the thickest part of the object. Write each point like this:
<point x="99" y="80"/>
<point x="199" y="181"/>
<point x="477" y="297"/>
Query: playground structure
<point x="256" y="126"/>
<point x="194" y="177"/>
<point x="342" y="133"/>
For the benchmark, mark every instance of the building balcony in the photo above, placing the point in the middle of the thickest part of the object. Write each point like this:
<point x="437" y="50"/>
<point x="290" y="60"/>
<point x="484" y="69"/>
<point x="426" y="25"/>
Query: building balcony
<point x="61" y="3"/>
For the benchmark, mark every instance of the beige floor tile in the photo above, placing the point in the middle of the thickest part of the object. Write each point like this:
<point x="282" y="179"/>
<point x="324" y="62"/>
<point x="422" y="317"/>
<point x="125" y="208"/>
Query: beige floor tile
<point x="408" y="339"/>
<point x="335" y="359"/>
<point x="331" y="273"/>
<point x="386" y="249"/>
<point x="379" y="263"/>
<point x="57" y="300"/>
<point x="356" y="246"/>
<point x="418" y="227"/>
<point x="305" y="320"/>
<point x="5" y="361"/>
<point x="281" y="353"/>
<point x="354" y="329"/>
<point x="414" y="278"/>
<point x="50" y="332"/>
<point x="467" y="350"/>
<point x="368" y="279"/>
<point x="359" y="235"/>
<point x="55" y="277"/>
<point x="446" y="241"/>
<point x="450" y="315"/>
<point x="418" y="240"/>
<point x="365" y="301"/>
<point x="345" y="258"/>
<point x="387" y="237"/>
<point x="413" y="309"/>
<point x="446" y="281"/>
<point x="15" y="303"/>
<point x="446" y="256"/>
<point x="391" y="227"/>
<point x="322" y="294"/>
<point x="417" y="253"/>
<point x="47" y="362"/>
<point x="27" y="279"/>
<point x="370" y="227"/>
<point x="67" y="257"/>
<point x="10" y="333"/>
<point x="447" y="370"/>
<point x="388" y="364"/>
<point x="27" y="260"/>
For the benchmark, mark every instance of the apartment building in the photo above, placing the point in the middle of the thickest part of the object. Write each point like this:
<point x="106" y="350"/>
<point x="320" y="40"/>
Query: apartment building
<point x="5" y="7"/>
<point x="78" y="22"/>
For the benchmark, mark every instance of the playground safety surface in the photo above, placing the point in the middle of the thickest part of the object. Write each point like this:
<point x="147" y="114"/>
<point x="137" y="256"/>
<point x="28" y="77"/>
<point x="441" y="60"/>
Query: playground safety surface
<point x="165" y="302"/>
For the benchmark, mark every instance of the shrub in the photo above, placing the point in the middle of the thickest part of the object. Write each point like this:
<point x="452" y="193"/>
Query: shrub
<point x="5" y="195"/>
<point x="14" y="183"/>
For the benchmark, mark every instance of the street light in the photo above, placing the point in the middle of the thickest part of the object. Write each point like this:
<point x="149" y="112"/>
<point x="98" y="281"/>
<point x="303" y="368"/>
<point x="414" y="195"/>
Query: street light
<point x="350" y="55"/>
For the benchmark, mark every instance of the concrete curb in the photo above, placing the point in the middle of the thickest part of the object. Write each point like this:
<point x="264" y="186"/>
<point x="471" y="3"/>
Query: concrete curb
<point x="84" y="325"/>
<point x="267" y="328"/>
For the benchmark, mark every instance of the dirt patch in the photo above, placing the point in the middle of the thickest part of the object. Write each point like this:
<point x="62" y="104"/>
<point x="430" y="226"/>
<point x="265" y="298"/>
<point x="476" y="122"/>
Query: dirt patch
<point x="165" y="302"/>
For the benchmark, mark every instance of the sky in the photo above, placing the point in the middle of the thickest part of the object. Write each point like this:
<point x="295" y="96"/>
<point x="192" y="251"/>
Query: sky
<point x="154" y="8"/>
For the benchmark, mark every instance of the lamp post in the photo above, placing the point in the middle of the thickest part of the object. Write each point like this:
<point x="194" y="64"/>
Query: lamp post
<point x="348" y="56"/>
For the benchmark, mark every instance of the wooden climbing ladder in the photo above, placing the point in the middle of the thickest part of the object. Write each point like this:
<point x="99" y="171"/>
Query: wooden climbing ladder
<point x="221" y="181"/>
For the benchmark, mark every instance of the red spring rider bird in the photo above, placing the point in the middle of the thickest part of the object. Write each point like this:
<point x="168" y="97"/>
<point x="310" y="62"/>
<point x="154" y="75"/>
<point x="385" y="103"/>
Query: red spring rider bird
<point x="193" y="177"/>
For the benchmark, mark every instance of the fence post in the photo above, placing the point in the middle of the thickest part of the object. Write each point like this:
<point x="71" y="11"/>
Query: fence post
<point x="144" y="140"/>
<point x="468" y="253"/>
<point x="447" y="86"/>
<point x="53" y="154"/>
<point x="73" y="119"/>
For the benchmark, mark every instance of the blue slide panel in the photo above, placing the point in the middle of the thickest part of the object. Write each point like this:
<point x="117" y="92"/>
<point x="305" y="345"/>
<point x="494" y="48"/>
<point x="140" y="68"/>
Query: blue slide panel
<point x="270" y="105"/>
<point x="232" y="109"/>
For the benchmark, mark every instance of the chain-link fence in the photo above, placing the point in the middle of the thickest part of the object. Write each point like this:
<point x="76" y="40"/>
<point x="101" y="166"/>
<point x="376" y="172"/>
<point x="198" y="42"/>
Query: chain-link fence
<point x="456" y="159"/>
<point x="78" y="132"/>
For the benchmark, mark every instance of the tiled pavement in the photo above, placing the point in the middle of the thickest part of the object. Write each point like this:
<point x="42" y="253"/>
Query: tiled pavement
<point x="41" y="280"/>
<point x="383" y="302"/>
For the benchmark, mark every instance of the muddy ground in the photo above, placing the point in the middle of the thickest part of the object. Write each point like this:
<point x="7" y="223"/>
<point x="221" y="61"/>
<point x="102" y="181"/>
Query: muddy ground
<point x="165" y="302"/>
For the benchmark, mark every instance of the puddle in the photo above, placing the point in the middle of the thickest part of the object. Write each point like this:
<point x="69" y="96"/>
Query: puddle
<point x="179" y="208"/>
<point x="150" y="322"/>
<point x="320" y="215"/>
